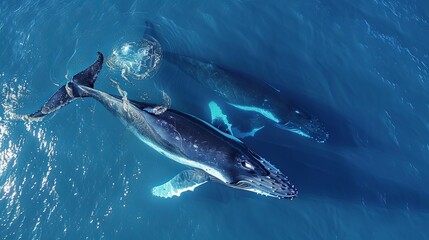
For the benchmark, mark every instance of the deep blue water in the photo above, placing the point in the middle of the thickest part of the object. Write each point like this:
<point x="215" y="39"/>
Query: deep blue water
<point x="361" y="66"/>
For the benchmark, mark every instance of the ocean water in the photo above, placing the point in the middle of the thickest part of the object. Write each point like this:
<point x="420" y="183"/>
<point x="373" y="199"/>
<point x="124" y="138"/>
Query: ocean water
<point x="361" y="66"/>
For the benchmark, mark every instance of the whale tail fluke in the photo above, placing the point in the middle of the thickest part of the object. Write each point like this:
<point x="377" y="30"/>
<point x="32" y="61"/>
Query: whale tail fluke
<point x="88" y="76"/>
<point x="150" y="30"/>
<point x="69" y="91"/>
<point x="151" y="34"/>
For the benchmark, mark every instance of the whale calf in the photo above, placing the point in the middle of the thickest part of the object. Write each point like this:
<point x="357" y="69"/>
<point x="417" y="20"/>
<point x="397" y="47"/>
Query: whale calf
<point x="211" y="154"/>
<point x="247" y="94"/>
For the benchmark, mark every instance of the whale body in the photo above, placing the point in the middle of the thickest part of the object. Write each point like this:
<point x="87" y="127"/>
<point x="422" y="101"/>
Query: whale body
<point x="211" y="154"/>
<point x="247" y="94"/>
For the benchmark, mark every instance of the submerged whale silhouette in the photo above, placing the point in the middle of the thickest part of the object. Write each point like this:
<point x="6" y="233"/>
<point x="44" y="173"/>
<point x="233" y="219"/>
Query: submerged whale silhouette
<point x="248" y="94"/>
<point x="322" y="172"/>
<point x="213" y="155"/>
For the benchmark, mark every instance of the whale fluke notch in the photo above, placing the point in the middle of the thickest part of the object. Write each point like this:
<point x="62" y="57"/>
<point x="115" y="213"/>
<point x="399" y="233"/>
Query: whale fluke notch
<point x="66" y="93"/>
<point x="186" y="180"/>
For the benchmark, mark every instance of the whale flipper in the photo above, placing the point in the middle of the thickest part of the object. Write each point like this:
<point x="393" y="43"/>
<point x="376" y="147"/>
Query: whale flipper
<point x="186" y="180"/>
<point x="221" y="121"/>
<point x="66" y="94"/>
<point x="250" y="133"/>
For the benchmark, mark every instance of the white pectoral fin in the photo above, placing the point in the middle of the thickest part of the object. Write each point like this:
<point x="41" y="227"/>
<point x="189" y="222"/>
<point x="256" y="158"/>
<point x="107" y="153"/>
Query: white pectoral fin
<point x="186" y="180"/>
<point x="219" y="119"/>
<point x="244" y="134"/>
<point x="239" y="130"/>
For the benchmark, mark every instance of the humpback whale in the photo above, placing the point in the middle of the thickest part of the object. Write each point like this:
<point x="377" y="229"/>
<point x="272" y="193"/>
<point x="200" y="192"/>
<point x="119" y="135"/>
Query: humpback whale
<point x="247" y="94"/>
<point x="210" y="154"/>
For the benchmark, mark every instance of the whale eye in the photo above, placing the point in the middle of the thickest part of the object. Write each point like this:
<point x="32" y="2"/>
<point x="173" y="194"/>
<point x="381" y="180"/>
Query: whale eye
<point x="247" y="165"/>
<point x="303" y="114"/>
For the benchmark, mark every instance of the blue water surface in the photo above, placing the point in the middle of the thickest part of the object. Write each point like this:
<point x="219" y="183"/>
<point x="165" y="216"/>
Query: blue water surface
<point x="361" y="66"/>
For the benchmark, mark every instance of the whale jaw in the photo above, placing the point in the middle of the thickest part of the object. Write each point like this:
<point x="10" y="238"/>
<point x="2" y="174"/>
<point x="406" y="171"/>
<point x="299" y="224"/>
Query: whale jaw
<point x="255" y="174"/>
<point x="277" y="186"/>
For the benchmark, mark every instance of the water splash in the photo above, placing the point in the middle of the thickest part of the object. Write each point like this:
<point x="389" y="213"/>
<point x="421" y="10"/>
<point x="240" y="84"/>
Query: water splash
<point x="136" y="60"/>
<point x="165" y="106"/>
<point x="157" y="110"/>
<point x="123" y="94"/>
<point x="18" y="175"/>
<point x="11" y="92"/>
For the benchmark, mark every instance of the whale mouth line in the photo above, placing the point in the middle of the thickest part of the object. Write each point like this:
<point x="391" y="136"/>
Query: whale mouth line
<point x="277" y="186"/>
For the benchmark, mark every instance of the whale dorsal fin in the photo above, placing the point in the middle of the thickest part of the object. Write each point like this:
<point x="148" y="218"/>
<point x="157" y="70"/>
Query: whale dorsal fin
<point x="160" y="109"/>
<point x="156" y="110"/>
<point x="186" y="180"/>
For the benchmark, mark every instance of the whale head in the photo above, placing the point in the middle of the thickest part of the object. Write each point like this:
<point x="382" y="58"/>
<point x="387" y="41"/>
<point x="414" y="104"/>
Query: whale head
<point x="251" y="172"/>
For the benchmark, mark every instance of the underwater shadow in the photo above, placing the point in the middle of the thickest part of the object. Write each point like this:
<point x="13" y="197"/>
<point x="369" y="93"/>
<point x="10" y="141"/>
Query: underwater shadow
<point x="321" y="173"/>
